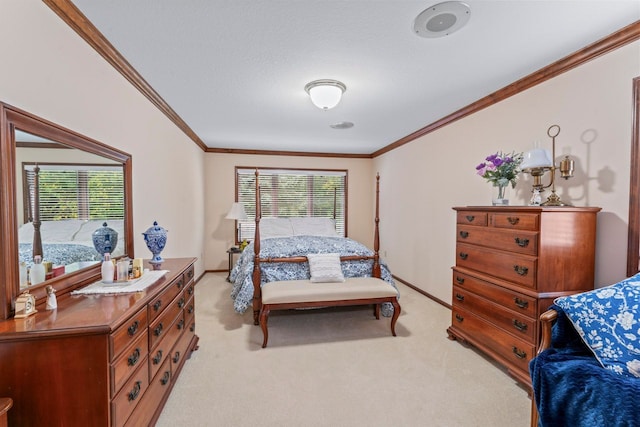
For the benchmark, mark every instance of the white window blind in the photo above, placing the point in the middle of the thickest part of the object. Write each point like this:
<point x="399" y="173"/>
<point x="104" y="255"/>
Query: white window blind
<point x="76" y="191"/>
<point x="292" y="193"/>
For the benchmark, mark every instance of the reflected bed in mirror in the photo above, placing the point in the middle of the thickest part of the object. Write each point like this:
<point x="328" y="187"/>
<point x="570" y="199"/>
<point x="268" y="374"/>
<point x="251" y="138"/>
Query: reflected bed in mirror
<point x="57" y="188"/>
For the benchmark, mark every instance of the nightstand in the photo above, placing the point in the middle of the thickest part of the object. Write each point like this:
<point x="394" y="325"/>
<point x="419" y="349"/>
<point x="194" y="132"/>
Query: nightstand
<point x="232" y="251"/>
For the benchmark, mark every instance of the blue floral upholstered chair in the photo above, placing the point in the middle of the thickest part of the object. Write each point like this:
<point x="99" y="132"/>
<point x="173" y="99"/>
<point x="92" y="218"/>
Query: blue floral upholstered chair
<point x="587" y="371"/>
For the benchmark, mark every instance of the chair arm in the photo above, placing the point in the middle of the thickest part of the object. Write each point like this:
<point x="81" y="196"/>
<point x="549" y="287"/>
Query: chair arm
<point x="546" y="322"/>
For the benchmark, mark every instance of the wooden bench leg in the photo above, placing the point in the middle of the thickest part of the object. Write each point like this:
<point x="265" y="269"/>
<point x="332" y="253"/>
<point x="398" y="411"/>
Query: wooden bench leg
<point x="396" y="314"/>
<point x="264" y="318"/>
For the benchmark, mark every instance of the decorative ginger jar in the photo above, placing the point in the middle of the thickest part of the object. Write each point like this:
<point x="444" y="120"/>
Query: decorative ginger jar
<point x="105" y="239"/>
<point x="155" y="237"/>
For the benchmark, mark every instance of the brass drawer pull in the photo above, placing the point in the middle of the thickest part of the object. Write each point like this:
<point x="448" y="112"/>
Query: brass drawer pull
<point x="157" y="305"/>
<point x="464" y="234"/>
<point x="158" y="357"/>
<point x="460" y="297"/>
<point x="190" y="274"/>
<point x="165" y="378"/>
<point x="158" y="330"/>
<point x="470" y="218"/>
<point x="133" y="394"/>
<point x="133" y="359"/>
<point x="460" y="280"/>
<point x="520" y="354"/>
<point x="181" y="303"/>
<point x="519" y="325"/>
<point x="523" y="243"/>
<point x="192" y="327"/>
<point x="133" y="328"/>
<point x="459" y="318"/>
<point x="180" y="283"/>
<point x="180" y="324"/>
<point x="190" y="309"/>
<point x="464" y="255"/>
<point x="520" y="302"/>
<point x="190" y="290"/>
<point x="522" y="271"/>
<point x="513" y="220"/>
<point x="176" y="357"/>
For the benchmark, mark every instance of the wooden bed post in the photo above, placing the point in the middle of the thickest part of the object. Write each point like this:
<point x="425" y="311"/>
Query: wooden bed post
<point x="375" y="272"/>
<point x="257" y="291"/>
<point x="36" y="248"/>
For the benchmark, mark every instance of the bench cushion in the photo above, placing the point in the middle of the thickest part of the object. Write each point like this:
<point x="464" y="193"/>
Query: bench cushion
<point x="294" y="291"/>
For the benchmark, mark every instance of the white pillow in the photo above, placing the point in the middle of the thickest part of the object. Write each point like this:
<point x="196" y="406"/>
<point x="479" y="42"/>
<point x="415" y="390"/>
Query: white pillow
<point x="314" y="226"/>
<point x="325" y="268"/>
<point x="275" y="227"/>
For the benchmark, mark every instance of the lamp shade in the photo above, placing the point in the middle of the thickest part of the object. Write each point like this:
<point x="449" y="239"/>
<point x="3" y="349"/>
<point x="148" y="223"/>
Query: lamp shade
<point x="536" y="158"/>
<point x="237" y="212"/>
<point x="325" y="94"/>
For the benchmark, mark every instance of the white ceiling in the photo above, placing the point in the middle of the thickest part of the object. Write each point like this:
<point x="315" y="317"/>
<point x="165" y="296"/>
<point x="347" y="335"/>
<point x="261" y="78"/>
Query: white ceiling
<point x="235" y="70"/>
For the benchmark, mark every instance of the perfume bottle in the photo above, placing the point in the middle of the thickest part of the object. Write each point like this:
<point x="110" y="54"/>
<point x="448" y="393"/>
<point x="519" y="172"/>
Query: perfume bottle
<point x="107" y="269"/>
<point x="38" y="272"/>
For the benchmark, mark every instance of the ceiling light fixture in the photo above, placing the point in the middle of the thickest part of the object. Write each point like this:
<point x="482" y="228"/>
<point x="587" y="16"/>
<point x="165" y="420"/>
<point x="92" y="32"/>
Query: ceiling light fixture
<point x="325" y="94"/>
<point x="442" y="19"/>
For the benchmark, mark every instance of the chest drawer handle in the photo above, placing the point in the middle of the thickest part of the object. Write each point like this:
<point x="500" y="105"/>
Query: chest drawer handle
<point x="157" y="305"/>
<point x="165" y="378"/>
<point x="523" y="243"/>
<point x="460" y="297"/>
<point x="181" y="303"/>
<point x="522" y="271"/>
<point x="133" y="328"/>
<point x="192" y="327"/>
<point x="519" y="325"/>
<point x="520" y="354"/>
<point x="513" y="220"/>
<point x="158" y="330"/>
<point x="180" y="324"/>
<point x="133" y="359"/>
<point x="176" y="357"/>
<point x="464" y="234"/>
<point x="158" y="357"/>
<point x="459" y="317"/>
<point x="464" y="255"/>
<point x="520" y="302"/>
<point x="179" y="284"/>
<point x="470" y="218"/>
<point x="190" y="309"/>
<point x="190" y="290"/>
<point x="190" y="274"/>
<point x="460" y="280"/>
<point x="133" y="394"/>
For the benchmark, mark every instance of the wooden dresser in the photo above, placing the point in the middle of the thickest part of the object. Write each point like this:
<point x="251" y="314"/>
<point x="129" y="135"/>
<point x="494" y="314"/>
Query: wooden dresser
<point x="511" y="263"/>
<point x="100" y="360"/>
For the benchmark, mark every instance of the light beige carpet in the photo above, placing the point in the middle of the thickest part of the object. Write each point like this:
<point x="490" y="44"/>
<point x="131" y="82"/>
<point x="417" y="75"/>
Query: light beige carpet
<point x="337" y="368"/>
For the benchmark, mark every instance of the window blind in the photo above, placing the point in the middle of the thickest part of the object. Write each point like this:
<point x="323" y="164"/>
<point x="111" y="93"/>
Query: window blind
<point x="292" y="193"/>
<point x="76" y="192"/>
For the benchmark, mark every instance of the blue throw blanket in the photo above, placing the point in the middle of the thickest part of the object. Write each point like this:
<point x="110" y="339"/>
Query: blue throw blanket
<point x="571" y="388"/>
<point x="285" y="247"/>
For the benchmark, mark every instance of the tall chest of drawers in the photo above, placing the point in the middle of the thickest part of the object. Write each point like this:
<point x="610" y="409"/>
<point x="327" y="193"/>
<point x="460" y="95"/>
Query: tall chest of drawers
<point x="511" y="263"/>
<point x="101" y="360"/>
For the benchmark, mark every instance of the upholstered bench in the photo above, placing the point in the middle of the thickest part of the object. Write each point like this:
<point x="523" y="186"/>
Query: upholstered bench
<point x="284" y="295"/>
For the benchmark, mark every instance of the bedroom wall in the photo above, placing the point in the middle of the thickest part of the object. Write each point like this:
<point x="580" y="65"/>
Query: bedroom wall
<point x="220" y="194"/>
<point x="51" y="72"/>
<point x="593" y="106"/>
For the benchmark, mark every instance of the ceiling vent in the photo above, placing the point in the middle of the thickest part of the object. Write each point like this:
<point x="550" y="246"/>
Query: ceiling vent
<point x="442" y="19"/>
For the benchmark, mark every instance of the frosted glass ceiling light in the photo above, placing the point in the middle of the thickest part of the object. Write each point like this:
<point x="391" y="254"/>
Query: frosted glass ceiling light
<point x="325" y="94"/>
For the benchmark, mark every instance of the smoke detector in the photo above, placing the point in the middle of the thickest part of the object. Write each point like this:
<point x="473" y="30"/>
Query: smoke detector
<point x="442" y="19"/>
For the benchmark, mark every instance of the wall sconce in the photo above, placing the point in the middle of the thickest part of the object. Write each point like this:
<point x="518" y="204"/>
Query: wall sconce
<point x="325" y="94"/>
<point x="237" y="213"/>
<point x="538" y="161"/>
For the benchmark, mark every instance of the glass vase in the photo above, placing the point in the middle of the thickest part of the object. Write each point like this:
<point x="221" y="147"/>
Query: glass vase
<point x="500" y="195"/>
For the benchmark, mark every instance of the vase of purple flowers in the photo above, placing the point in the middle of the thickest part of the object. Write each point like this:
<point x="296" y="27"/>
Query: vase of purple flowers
<point x="501" y="170"/>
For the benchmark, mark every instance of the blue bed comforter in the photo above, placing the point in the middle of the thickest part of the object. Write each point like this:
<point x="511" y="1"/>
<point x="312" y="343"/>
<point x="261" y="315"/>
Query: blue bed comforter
<point x="241" y="274"/>
<point x="572" y="388"/>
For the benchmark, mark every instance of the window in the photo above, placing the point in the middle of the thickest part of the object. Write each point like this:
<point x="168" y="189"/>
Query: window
<point x="292" y="193"/>
<point x="75" y="191"/>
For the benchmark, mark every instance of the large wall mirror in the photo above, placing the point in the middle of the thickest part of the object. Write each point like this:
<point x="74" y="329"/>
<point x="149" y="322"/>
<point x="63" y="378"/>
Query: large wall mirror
<point x="58" y="190"/>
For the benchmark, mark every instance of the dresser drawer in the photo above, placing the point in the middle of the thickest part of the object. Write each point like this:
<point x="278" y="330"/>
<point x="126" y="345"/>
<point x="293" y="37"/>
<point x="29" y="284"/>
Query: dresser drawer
<point x="165" y="345"/>
<point x="513" y="351"/>
<point x="164" y="299"/>
<point x="189" y="274"/>
<point x="164" y="322"/>
<point x="159" y="386"/>
<point x="129" y="396"/>
<point x="128" y="362"/>
<point x="519" y="325"/>
<point x="515" y="220"/>
<point x="181" y="349"/>
<point x="122" y="337"/>
<point x="515" y="301"/>
<point x="471" y="218"/>
<point x="519" y="269"/>
<point x="523" y="242"/>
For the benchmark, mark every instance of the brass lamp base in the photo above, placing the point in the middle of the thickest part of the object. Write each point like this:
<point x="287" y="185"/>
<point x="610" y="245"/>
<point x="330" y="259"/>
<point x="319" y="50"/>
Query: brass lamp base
<point x="554" y="200"/>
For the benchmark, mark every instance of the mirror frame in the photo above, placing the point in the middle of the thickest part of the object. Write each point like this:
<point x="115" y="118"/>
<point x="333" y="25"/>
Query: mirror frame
<point x="12" y="118"/>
